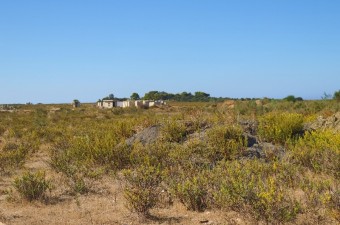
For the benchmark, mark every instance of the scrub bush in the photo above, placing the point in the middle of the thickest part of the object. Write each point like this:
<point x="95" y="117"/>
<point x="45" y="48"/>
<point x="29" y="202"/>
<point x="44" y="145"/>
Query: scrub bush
<point x="13" y="155"/>
<point x="280" y="127"/>
<point x="142" y="188"/>
<point x="318" y="151"/>
<point x="173" y="131"/>
<point x="337" y="96"/>
<point x="193" y="193"/>
<point x="225" y="142"/>
<point x="259" y="185"/>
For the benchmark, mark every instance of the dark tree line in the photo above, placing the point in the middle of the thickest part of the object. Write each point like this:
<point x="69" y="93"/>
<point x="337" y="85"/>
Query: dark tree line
<point x="198" y="96"/>
<point x="292" y="98"/>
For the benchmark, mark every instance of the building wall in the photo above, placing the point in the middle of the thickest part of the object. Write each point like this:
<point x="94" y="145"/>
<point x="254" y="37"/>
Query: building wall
<point x="120" y="104"/>
<point x="124" y="104"/>
<point x="108" y="104"/>
<point x="128" y="104"/>
<point x="138" y="104"/>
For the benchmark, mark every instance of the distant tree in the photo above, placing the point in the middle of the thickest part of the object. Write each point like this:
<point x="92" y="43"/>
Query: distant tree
<point x="156" y="95"/>
<point x="150" y="95"/>
<point x="134" y="96"/>
<point x="292" y="98"/>
<point x="111" y="96"/>
<point x="337" y="96"/>
<point x="326" y="96"/>
<point x="185" y="96"/>
<point x="76" y="103"/>
<point x="200" y="94"/>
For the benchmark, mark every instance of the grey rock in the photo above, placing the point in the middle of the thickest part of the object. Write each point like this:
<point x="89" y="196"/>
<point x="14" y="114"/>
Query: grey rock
<point x="252" y="140"/>
<point x="147" y="136"/>
<point x="249" y="126"/>
<point x="265" y="151"/>
<point x="332" y="122"/>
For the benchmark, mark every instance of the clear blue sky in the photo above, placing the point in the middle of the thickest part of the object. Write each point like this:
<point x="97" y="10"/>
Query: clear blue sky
<point x="56" y="51"/>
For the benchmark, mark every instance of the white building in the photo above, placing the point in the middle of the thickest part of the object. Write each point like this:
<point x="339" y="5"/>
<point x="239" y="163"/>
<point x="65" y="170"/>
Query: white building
<point x="139" y="104"/>
<point x="108" y="104"/>
<point x="120" y="104"/>
<point x="128" y="104"/>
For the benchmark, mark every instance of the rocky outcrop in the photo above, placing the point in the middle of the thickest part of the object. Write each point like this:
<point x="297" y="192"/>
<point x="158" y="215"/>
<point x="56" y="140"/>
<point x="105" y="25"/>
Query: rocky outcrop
<point x="265" y="151"/>
<point x="255" y="149"/>
<point x="332" y="122"/>
<point x="251" y="139"/>
<point x="147" y="136"/>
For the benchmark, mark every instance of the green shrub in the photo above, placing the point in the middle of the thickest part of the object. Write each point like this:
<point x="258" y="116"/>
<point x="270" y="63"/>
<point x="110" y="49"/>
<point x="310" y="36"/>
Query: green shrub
<point x="78" y="171"/>
<point x="319" y="192"/>
<point x="193" y="192"/>
<point x="319" y="151"/>
<point x="337" y="96"/>
<point x="32" y="186"/>
<point x="279" y="127"/>
<point x="123" y="129"/>
<point x="225" y="142"/>
<point x="234" y="184"/>
<point x="156" y="153"/>
<point x="262" y="186"/>
<point x="98" y="149"/>
<point x="79" y="174"/>
<point x="142" y="188"/>
<point x="13" y="155"/>
<point x="292" y="98"/>
<point x="197" y="121"/>
<point x="272" y="203"/>
<point x="173" y="131"/>
<point x="194" y="155"/>
<point x="322" y="194"/>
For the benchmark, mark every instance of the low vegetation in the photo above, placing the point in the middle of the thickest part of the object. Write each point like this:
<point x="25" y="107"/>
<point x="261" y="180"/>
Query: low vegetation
<point x="206" y="156"/>
<point x="142" y="187"/>
<point x="280" y="127"/>
<point x="32" y="186"/>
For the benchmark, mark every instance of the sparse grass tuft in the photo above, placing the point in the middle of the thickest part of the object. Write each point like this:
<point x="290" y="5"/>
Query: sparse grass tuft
<point x="32" y="186"/>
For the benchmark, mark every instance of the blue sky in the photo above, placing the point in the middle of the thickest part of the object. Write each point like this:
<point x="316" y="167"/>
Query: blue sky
<point x="56" y="51"/>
